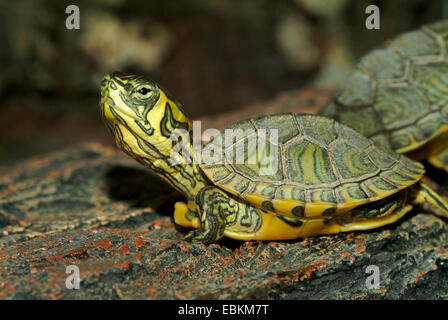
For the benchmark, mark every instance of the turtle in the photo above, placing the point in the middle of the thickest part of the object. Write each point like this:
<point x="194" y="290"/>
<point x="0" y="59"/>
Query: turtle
<point x="275" y="177"/>
<point x="398" y="95"/>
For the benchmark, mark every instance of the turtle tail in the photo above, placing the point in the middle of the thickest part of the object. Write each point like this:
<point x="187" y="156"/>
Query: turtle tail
<point x="423" y="194"/>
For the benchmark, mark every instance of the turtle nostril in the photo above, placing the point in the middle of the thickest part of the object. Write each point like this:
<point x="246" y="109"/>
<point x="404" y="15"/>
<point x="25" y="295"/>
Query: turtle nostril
<point x="105" y="81"/>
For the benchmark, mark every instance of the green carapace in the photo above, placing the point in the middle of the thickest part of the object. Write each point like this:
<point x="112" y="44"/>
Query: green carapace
<point x="398" y="95"/>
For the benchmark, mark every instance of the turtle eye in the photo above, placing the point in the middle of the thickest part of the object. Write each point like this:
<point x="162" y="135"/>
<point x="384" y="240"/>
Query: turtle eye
<point x="144" y="91"/>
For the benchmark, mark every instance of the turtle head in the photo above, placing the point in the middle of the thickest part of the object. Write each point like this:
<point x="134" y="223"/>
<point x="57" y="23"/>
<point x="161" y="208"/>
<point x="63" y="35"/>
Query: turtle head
<point x="140" y="115"/>
<point x="128" y="97"/>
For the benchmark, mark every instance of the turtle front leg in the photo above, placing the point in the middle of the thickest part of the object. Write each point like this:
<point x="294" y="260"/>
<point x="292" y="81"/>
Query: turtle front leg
<point x="422" y="193"/>
<point x="214" y="206"/>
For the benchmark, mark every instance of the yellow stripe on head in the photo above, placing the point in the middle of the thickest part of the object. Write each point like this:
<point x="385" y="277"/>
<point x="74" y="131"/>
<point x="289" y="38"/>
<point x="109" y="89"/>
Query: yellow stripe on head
<point x="138" y="107"/>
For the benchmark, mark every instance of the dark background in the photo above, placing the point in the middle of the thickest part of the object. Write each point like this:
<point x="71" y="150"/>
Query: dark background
<point x="213" y="56"/>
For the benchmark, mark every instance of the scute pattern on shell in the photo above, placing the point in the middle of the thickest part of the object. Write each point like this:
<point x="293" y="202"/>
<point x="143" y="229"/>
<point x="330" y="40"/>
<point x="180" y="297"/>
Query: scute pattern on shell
<point x="398" y="94"/>
<point x="319" y="161"/>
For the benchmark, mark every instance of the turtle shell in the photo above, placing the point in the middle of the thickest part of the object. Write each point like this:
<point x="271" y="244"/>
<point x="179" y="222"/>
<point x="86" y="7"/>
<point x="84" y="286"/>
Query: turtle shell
<point x="398" y="93"/>
<point x="304" y="165"/>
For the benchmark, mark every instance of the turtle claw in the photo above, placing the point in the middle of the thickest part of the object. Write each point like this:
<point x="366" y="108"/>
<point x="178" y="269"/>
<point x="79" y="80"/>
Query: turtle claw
<point x="200" y="235"/>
